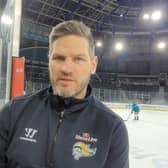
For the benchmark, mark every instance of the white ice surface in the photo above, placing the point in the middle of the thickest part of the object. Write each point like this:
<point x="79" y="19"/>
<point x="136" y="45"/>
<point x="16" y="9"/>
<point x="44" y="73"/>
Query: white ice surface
<point x="148" y="138"/>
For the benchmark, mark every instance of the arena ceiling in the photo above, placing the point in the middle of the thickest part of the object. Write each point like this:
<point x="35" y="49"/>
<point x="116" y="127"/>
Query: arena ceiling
<point x="103" y="16"/>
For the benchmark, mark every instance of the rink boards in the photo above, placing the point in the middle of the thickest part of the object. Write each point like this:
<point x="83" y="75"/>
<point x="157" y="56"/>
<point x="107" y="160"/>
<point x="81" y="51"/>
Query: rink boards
<point x="160" y="108"/>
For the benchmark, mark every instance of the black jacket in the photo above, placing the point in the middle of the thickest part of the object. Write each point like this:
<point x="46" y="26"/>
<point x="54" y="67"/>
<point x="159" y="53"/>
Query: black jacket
<point x="44" y="130"/>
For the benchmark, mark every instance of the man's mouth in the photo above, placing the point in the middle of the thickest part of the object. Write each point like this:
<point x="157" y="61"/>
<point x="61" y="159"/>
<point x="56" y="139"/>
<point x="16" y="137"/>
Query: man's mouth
<point x="66" y="80"/>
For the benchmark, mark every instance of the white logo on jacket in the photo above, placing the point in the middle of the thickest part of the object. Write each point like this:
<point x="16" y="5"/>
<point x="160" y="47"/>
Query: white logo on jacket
<point x="29" y="135"/>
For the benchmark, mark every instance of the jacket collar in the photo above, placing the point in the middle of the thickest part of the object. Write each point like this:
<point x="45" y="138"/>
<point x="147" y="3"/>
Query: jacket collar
<point x="68" y="104"/>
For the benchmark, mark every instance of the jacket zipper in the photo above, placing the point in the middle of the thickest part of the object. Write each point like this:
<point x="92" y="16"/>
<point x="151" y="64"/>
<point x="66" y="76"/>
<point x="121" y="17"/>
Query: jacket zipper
<point x="61" y="116"/>
<point x="51" y="163"/>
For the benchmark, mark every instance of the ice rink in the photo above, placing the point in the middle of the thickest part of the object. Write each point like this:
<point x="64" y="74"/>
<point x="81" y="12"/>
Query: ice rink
<point x="148" y="138"/>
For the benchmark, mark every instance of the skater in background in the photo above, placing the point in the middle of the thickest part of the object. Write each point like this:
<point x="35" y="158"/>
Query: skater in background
<point x="135" y="109"/>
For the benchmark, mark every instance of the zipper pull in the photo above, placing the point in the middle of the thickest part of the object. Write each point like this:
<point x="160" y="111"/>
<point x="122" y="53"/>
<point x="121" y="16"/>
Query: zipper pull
<point x="62" y="114"/>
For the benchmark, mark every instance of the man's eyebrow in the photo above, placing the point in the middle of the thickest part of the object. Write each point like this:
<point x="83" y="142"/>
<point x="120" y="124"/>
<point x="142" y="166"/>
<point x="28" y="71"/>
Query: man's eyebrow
<point x="75" y="55"/>
<point x="79" y="55"/>
<point x="57" y="54"/>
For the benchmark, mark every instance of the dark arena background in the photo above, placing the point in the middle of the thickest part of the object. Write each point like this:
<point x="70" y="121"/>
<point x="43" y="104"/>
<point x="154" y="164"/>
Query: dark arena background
<point x="131" y="38"/>
<point x="136" y="71"/>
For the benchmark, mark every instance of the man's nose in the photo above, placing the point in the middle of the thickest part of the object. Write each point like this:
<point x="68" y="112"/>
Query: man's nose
<point x="67" y="66"/>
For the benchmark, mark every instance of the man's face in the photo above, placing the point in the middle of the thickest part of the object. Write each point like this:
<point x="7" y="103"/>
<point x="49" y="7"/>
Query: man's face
<point x="70" y="66"/>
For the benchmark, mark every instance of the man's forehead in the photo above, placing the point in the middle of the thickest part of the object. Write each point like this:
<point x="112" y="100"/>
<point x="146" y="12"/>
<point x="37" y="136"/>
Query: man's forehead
<point x="75" y="46"/>
<point x="71" y="39"/>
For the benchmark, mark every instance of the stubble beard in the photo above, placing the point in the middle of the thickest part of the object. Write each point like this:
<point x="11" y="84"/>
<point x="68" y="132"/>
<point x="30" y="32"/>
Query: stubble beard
<point x="58" y="91"/>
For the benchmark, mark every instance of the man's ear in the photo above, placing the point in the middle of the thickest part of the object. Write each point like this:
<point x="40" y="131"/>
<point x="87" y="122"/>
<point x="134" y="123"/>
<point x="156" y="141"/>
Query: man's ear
<point x="94" y="64"/>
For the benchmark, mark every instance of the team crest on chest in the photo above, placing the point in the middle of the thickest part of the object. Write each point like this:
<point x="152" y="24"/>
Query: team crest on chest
<point x="84" y="146"/>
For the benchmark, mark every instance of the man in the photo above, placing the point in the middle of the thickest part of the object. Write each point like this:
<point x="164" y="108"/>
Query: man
<point x="135" y="110"/>
<point x="64" y="126"/>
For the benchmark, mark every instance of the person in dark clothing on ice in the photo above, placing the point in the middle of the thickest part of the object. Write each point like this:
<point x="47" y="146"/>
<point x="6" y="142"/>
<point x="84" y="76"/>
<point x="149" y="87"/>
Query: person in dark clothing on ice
<point x="64" y="126"/>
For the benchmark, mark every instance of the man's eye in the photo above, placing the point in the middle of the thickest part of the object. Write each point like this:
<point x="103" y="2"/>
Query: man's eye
<point x="78" y="59"/>
<point x="58" y="58"/>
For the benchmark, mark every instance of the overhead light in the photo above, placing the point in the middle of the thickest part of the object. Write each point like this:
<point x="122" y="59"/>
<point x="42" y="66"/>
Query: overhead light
<point x="146" y="16"/>
<point x="99" y="44"/>
<point x="5" y="19"/>
<point x="121" y="15"/>
<point x="161" y="45"/>
<point x="119" y="46"/>
<point x="156" y="15"/>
